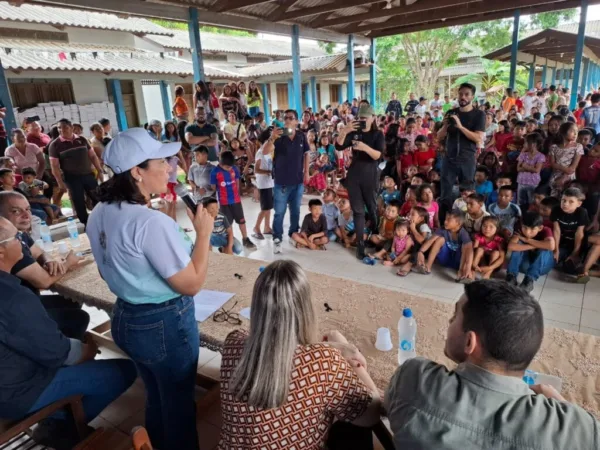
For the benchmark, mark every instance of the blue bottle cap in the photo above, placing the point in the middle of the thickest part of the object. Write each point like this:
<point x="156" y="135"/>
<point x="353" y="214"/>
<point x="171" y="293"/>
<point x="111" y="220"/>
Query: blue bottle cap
<point x="261" y="268"/>
<point x="407" y="312"/>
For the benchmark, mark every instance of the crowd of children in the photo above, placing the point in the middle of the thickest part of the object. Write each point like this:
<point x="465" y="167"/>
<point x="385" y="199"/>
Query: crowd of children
<point x="532" y="206"/>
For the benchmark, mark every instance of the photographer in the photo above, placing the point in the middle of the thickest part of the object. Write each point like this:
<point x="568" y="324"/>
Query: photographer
<point x="463" y="132"/>
<point x="367" y="147"/>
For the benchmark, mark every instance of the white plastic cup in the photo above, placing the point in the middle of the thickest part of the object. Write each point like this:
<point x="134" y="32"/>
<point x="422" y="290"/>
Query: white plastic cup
<point x="384" y="340"/>
<point x="63" y="248"/>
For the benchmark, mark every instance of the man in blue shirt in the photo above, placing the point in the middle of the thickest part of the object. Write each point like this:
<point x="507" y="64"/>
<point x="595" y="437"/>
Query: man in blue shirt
<point x="290" y="171"/>
<point x="591" y="114"/>
<point x="39" y="365"/>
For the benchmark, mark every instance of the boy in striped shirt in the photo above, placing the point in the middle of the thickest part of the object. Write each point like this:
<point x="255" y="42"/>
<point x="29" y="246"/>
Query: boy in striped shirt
<point x="224" y="179"/>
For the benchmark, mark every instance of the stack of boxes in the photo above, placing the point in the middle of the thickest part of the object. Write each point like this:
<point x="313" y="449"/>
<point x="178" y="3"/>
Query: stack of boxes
<point x="86" y="115"/>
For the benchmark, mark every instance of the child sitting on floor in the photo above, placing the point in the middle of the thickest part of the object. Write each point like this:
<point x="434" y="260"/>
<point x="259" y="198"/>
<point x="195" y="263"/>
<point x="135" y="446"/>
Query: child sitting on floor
<point x="564" y="157"/>
<point x="419" y="232"/>
<point x="386" y="227"/>
<point x="482" y="185"/>
<point x="475" y="213"/>
<point x="424" y="156"/>
<point x="531" y="251"/>
<point x="539" y="194"/>
<point x="410" y="201"/>
<point x="222" y="234"/>
<point x="345" y="231"/>
<point x="488" y="246"/>
<point x="506" y="211"/>
<point x="502" y="180"/>
<point x="388" y="194"/>
<point x="331" y="213"/>
<point x="401" y="245"/>
<point x="546" y="207"/>
<point x="426" y="200"/>
<point x="450" y="247"/>
<point x="590" y="260"/>
<point x="529" y="165"/>
<point x="465" y="188"/>
<point x="313" y="233"/>
<point x="569" y="222"/>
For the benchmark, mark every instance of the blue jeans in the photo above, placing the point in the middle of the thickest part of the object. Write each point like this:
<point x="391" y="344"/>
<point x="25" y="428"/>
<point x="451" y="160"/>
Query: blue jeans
<point x="282" y="197"/>
<point x="163" y="342"/>
<point x="533" y="263"/>
<point x="39" y="212"/>
<point x="220" y="240"/>
<point x="99" y="382"/>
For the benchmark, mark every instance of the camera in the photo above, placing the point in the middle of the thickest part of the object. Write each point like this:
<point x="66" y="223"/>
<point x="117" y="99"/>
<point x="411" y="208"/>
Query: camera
<point x="450" y="118"/>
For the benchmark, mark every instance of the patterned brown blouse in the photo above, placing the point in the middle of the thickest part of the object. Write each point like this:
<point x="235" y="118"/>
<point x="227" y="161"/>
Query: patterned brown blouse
<point x="323" y="386"/>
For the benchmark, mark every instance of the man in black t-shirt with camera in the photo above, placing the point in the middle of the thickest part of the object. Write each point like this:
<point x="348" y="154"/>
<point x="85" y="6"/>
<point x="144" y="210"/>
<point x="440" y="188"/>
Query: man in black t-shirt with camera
<point x="464" y="128"/>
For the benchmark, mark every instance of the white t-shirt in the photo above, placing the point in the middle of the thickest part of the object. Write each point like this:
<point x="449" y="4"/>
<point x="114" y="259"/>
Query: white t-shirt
<point x="436" y="104"/>
<point x="529" y="101"/>
<point x="266" y="163"/>
<point x="420" y="110"/>
<point x="136" y="250"/>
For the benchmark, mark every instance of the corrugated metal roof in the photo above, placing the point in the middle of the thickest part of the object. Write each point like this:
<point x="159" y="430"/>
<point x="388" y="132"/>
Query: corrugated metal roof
<point x="136" y="62"/>
<point x="58" y="46"/>
<point x="335" y="62"/>
<point x="77" y="18"/>
<point x="213" y="42"/>
<point x="462" y="69"/>
<point x="592" y="28"/>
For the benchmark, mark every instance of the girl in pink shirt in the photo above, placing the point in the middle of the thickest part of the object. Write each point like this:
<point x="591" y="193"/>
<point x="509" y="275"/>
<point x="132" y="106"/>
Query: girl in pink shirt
<point x="425" y="198"/>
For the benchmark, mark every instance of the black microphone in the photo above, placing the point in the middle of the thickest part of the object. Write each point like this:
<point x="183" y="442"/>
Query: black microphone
<point x="186" y="196"/>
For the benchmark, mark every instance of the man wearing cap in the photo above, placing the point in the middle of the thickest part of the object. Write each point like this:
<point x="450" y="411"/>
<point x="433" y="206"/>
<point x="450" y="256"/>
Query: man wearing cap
<point x="72" y="157"/>
<point x="154" y="269"/>
<point x="367" y="144"/>
<point x="203" y="133"/>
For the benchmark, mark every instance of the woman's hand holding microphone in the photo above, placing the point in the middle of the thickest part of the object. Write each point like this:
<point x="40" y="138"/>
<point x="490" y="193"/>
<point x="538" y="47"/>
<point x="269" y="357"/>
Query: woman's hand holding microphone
<point x="202" y="222"/>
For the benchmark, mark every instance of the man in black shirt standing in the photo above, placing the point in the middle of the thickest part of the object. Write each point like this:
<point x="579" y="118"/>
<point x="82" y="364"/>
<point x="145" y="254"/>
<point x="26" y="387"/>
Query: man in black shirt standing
<point x="463" y="131"/>
<point x="411" y="104"/>
<point x="394" y="106"/>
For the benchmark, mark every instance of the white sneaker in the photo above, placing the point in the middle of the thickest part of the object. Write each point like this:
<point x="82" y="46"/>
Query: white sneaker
<point x="276" y="246"/>
<point x="292" y="242"/>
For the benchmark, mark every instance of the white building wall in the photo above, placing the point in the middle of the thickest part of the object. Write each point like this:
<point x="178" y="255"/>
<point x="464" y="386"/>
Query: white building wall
<point x="324" y="94"/>
<point x="237" y="59"/>
<point x="273" y="95"/>
<point x="153" y="103"/>
<point x="82" y="35"/>
<point x="89" y="88"/>
<point x="138" y="90"/>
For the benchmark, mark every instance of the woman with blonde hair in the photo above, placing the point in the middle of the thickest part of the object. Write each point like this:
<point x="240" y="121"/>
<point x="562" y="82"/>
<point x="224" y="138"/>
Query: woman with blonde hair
<point x="279" y="382"/>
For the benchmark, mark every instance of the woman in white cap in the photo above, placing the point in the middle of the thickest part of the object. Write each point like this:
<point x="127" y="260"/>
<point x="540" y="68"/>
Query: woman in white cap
<point x="154" y="269"/>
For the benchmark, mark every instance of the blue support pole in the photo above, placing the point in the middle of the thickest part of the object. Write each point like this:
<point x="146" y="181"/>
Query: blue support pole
<point x="291" y="103"/>
<point x="119" y="107"/>
<point x="341" y="94"/>
<point x="196" y="46"/>
<point x="373" y="74"/>
<point x="297" y="77"/>
<point x="307" y="100"/>
<point x="544" y="75"/>
<point x="553" y="76"/>
<point x="313" y="94"/>
<point x="532" y="73"/>
<point x="514" y="49"/>
<point x="585" y="78"/>
<point x="579" y="52"/>
<point x="164" y="95"/>
<point x="265" y="97"/>
<point x="9" y="119"/>
<point x="350" y="86"/>
<point x="563" y="75"/>
<point x="568" y="80"/>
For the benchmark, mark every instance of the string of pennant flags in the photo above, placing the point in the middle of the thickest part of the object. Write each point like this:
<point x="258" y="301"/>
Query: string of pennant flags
<point x="67" y="55"/>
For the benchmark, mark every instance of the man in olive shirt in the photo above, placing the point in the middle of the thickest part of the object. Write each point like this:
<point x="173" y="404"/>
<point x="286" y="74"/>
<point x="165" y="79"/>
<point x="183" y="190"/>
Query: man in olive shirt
<point x="494" y="334"/>
<point x="71" y="160"/>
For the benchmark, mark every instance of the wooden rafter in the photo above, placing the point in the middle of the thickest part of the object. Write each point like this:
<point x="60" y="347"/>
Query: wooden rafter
<point x="229" y="5"/>
<point x="328" y="7"/>
<point x="439" y="23"/>
<point x="284" y="5"/>
<point x="450" y="12"/>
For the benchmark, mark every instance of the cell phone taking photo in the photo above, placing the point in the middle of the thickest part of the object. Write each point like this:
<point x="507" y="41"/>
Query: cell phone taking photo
<point x="287" y="131"/>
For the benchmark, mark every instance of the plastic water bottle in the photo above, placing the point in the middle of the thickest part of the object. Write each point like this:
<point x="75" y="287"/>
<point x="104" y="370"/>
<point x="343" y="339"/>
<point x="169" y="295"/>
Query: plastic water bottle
<point x="73" y="233"/>
<point x="407" y="336"/>
<point x="46" y="237"/>
<point x="532" y="377"/>
<point x="36" y="222"/>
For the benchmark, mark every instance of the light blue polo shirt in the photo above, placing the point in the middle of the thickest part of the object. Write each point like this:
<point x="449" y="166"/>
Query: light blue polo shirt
<point x="136" y="250"/>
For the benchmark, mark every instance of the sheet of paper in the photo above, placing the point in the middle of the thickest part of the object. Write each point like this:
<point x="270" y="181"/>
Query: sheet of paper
<point x="208" y="302"/>
<point x="245" y="312"/>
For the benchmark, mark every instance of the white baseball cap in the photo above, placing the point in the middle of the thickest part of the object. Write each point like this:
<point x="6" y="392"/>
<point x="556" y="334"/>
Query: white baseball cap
<point x="132" y="147"/>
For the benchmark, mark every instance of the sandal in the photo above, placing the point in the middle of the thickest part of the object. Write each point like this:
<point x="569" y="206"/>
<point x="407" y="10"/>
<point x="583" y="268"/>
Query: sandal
<point x="421" y="269"/>
<point x="464" y="280"/>
<point x="258" y="235"/>
<point x="583" y="279"/>
<point x="402" y="273"/>
<point x="268" y="233"/>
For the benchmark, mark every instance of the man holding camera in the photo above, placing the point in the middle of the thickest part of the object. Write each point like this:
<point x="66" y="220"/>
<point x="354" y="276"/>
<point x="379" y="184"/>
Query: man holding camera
<point x="463" y="132"/>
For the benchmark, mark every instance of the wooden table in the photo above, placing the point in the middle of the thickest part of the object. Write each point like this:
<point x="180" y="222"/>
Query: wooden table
<point x="358" y="310"/>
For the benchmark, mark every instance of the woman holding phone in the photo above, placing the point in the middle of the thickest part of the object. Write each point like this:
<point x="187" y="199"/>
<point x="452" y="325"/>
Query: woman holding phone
<point x="154" y="269"/>
<point x="367" y="143"/>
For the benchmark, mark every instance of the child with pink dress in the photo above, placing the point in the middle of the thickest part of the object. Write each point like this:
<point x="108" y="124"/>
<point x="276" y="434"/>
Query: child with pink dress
<point x="426" y="200"/>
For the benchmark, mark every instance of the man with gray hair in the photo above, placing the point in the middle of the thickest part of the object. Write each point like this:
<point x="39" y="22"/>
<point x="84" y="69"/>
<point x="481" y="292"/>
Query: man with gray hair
<point x="37" y="271"/>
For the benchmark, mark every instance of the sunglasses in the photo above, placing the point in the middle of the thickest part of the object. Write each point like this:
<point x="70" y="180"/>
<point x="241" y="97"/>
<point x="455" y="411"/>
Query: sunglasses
<point x="289" y="118"/>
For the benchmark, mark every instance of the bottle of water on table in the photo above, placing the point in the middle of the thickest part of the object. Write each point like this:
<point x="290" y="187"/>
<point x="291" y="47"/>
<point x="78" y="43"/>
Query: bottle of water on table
<point x="73" y="233"/>
<point x="46" y="237"/>
<point x="407" y="335"/>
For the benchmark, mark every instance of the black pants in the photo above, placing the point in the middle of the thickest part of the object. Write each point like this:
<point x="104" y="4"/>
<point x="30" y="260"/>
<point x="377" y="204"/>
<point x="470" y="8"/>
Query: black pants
<point x="79" y="186"/>
<point x="72" y="321"/>
<point x="362" y="189"/>
<point x="345" y="436"/>
<point x="452" y="169"/>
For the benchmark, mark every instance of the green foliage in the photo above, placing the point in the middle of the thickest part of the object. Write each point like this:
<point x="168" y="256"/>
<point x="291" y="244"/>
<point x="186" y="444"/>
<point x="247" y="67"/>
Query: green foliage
<point x="208" y="29"/>
<point x="328" y="47"/>
<point x="552" y="19"/>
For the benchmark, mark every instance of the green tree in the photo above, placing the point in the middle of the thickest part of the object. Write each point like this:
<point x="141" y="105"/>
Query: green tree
<point x="551" y="19"/>
<point x="328" y="47"/>
<point x="495" y="77"/>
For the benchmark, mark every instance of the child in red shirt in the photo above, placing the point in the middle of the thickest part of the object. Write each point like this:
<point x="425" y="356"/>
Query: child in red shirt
<point x="424" y="156"/>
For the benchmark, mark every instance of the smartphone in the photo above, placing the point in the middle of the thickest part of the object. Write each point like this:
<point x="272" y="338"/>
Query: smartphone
<point x="32" y="119"/>
<point x="287" y="131"/>
<point x="362" y="124"/>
